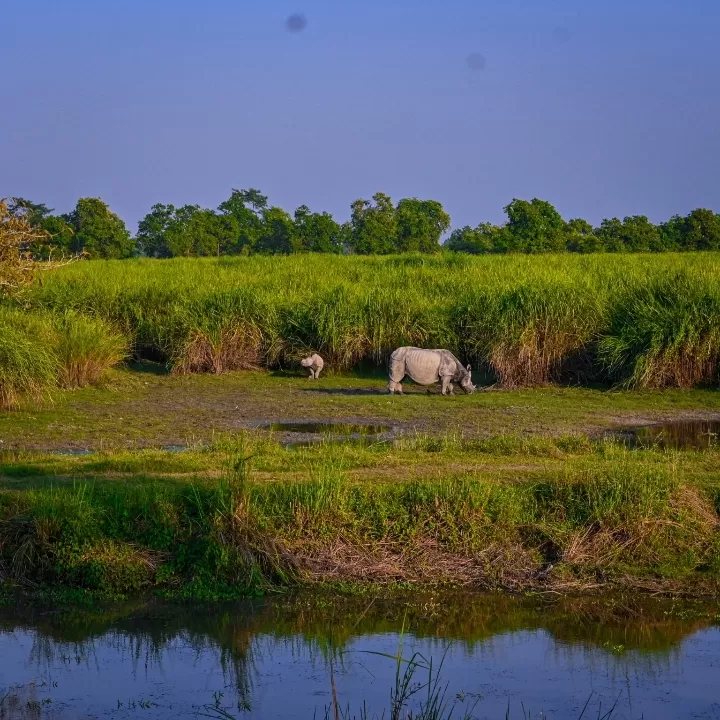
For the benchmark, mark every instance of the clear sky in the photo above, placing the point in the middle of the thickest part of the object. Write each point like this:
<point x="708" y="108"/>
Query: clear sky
<point x="603" y="107"/>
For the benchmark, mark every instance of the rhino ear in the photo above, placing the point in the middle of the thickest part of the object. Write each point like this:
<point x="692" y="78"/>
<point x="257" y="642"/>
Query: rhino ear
<point x="469" y="367"/>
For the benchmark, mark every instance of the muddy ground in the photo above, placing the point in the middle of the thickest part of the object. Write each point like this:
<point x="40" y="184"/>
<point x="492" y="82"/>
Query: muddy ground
<point x="145" y="407"/>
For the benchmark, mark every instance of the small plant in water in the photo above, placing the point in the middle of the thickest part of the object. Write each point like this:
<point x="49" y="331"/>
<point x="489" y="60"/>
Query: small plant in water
<point x="429" y="698"/>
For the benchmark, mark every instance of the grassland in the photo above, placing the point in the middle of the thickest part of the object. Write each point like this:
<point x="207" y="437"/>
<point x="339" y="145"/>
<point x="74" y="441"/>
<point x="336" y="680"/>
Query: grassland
<point x="513" y="488"/>
<point x="246" y="515"/>
<point x="635" y="320"/>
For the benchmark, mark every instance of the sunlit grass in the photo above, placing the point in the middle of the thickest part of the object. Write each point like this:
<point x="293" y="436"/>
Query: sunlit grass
<point x="529" y="320"/>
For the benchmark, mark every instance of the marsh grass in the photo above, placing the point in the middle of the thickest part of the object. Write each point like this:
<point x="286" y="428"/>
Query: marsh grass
<point x="665" y="333"/>
<point x="603" y="515"/>
<point x="410" y="697"/>
<point x="528" y="333"/>
<point x="28" y="365"/>
<point x="646" y="320"/>
<point x="87" y="347"/>
<point x="40" y="351"/>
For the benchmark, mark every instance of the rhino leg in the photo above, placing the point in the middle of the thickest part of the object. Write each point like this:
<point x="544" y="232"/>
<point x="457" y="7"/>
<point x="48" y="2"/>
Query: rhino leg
<point x="397" y="373"/>
<point x="316" y="374"/>
<point x="447" y="388"/>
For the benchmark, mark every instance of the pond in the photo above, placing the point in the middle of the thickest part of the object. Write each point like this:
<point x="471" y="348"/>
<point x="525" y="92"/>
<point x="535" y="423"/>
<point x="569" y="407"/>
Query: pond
<point x="679" y="435"/>
<point x="280" y="658"/>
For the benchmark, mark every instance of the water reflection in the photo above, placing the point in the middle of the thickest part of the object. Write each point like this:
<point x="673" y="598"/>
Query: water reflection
<point x="331" y="428"/>
<point x="679" y="435"/>
<point x="272" y="656"/>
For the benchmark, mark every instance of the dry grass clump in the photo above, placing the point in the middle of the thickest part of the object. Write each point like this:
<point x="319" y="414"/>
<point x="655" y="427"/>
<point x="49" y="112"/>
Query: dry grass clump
<point x="221" y="332"/>
<point x="231" y="348"/>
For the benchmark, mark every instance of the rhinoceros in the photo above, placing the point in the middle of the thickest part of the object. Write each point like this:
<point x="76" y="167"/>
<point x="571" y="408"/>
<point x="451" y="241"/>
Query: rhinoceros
<point x="315" y="364"/>
<point x="427" y="367"/>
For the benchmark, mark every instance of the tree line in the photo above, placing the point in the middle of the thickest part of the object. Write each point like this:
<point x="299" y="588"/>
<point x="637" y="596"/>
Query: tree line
<point x="246" y="224"/>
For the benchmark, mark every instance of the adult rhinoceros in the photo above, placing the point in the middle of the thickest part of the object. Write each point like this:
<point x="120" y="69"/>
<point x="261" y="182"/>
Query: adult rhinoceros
<point x="427" y="367"/>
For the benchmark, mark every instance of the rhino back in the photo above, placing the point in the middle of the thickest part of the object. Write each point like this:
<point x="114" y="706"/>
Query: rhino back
<point x="450" y="365"/>
<point x="423" y="365"/>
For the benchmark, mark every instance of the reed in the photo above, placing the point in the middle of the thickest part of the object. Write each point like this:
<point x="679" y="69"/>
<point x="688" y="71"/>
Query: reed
<point x="41" y="350"/>
<point x="86" y="348"/>
<point x="665" y="332"/>
<point x="28" y="364"/>
<point x="646" y="320"/>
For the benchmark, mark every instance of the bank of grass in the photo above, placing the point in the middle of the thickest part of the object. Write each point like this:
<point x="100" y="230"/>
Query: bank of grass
<point x="42" y="350"/>
<point x="639" y="320"/>
<point x="249" y="516"/>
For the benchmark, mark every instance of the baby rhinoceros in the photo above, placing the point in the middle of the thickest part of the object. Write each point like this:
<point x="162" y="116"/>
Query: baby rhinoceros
<point x="315" y="364"/>
<point x="427" y="367"/>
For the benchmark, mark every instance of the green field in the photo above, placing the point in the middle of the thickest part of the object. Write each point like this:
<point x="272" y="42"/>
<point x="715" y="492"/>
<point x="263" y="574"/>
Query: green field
<point x="633" y="320"/>
<point x="246" y="514"/>
<point x="511" y="488"/>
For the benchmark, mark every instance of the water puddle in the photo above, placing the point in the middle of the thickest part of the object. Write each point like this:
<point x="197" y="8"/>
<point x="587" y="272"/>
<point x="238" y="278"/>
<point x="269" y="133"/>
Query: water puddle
<point x="272" y="658"/>
<point x="679" y="435"/>
<point x="72" y="451"/>
<point x="329" y="428"/>
<point x="79" y="452"/>
<point x="346" y="433"/>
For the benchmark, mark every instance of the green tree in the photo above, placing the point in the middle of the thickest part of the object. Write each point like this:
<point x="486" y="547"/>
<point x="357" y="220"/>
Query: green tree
<point x="277" y="235"/>
<point x="702" y="230"/>
<point x="673" y="232"/>
<point x="640" y="235"/>
<point x="317" y="232"/>
<point x="634" y="233"/>
<point x="178" y="235"/>
<point x="580" y="237"/>
<point x="152" y="231"/>
<point x="610" y="234"/>
<point x="211" y="234"/>
<point x="420" y="224"/>
<point x="485" y="238"/>
<point x="247" y="207"/>
<point x="99" y="232"/>
<point x="59" y="241"/>
<point x="534" y="227"/>
<point x="373" y="227"/>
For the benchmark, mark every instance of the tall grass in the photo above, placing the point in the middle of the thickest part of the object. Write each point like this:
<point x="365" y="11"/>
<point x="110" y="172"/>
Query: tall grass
<point x="665" y="332"/>
<point x="28" y="365"/>
<point x="646" y="320"/>
<point x="528" y="333"/>
<point x="42" y="350"/>
<point x="86" y="348"/>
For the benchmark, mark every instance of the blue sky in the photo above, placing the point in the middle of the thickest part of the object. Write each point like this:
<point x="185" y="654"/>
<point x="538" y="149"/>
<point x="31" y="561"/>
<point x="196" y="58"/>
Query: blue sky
<point x="145" y="101"/>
